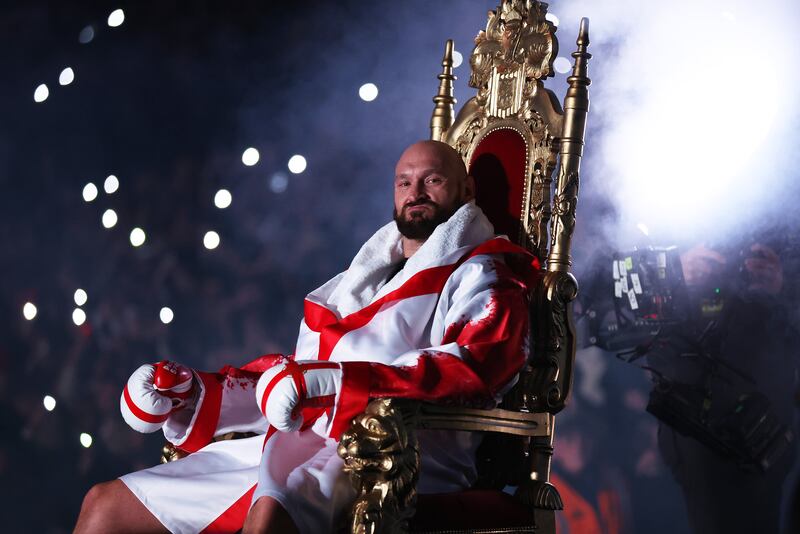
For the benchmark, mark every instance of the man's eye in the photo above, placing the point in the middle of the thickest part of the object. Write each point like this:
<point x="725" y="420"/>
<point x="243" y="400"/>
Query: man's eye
<point x="402" y="184"/>
<point x="434" y="180"/>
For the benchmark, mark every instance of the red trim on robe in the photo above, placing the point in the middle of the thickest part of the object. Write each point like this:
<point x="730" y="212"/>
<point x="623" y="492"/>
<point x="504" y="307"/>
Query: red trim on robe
<point x="232" y="519"/>
<point x="208" y="414"/>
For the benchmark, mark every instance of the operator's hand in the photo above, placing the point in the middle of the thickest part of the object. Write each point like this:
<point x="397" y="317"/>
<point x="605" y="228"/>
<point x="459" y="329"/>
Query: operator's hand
<point x="700" y="264"/>
<point x="766" y="271"/>
<point x="285" y="389"/>
<point x="153" y="392"/>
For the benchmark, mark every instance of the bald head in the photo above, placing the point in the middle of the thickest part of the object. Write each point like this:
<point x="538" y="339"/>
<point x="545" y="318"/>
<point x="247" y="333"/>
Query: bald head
<point x="430" y="184"/>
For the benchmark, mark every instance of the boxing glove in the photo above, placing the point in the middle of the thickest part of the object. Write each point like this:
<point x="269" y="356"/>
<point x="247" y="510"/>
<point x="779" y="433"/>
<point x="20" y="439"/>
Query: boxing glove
<point x="285" y="389"/>
<point x="153" y="392"/>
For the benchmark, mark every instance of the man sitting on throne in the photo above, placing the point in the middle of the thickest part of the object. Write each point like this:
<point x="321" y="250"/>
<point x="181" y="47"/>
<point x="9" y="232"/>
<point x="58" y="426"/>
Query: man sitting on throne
<point x="428" y="310"/>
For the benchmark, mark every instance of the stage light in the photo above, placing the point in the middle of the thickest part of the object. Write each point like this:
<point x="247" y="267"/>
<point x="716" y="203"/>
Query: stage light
<point x="66" y="77"/>
<point x="552" y="18"/>
<point x="250" y="157"/>
<point x="78" y="316"/>
<point x="137" y="237"/>
<point x="297" y="164"/>
<point x="223" y="199"/>
<point x="279" y="182"/>
<point x="643" y="228"/>
<point x="368" y="92"/>
<point x="166" y="315"/>
<point x="41" y="93"/>
<point x="80" y="297"/>
<point x="458" y="59"/>
<point x="562" y="65"/>
<point x="109" y="218"/>
<point x="86" y="440"/>
<point x="86" y="35"/>
<point x="89" y="192"/>
<point x="211" y="240"/>
<point x="49" y="403"/>
<point x="116" y="18"/>
<point x="111" y="184"/>
<point x="29" y="311"/>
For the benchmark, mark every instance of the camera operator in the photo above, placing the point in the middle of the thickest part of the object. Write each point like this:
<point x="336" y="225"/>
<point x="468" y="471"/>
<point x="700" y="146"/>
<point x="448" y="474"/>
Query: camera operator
<point x="748" y="352"/>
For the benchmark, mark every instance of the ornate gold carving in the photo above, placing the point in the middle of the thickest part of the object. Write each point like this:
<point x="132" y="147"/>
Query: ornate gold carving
<point x="380" y="453"/>
<point x="442" y="117"/>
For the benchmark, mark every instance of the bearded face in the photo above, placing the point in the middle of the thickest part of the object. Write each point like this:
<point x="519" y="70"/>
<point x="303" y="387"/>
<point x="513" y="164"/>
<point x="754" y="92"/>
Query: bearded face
<point x="418" y="219"/>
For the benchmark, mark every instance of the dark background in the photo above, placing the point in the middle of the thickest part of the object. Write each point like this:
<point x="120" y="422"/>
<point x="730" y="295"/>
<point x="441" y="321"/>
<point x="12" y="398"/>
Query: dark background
<point x="168" y="102"/>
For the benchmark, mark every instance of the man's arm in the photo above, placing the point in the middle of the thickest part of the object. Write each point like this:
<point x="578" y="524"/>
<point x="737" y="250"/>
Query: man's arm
<point x="484" y="346"/>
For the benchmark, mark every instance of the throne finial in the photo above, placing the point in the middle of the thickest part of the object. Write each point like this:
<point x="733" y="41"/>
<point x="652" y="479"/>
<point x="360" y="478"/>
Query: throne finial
<point x="442" y="118"/>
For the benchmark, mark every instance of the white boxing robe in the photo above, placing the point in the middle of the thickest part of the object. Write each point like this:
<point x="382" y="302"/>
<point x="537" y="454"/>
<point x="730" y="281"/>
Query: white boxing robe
<point x="450" y="327"/>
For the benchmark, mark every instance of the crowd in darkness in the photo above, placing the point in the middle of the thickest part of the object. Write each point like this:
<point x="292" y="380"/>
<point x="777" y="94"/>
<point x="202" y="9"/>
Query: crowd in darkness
<point x="168" y="103"/>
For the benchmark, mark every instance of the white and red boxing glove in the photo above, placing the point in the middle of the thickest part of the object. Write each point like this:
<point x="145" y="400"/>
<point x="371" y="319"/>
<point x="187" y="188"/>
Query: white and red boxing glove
<point x="153" y="392"/>
<point x="285" y="389"/>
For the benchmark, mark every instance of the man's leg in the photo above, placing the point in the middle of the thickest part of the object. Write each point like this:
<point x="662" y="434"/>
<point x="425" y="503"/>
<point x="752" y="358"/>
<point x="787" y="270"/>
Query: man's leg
<point x="267" y="516"/>
<point x="112" y="507"/>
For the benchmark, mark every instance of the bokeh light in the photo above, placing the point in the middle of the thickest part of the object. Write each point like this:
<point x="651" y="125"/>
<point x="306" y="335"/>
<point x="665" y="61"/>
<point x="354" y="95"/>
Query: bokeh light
<point x="89" y="192"/>
<point x="297" y="164"/>
<point x="86" y="35"/>
<point x="279" y="182"/>
<point x="29" y="311"/>
<point x="458" y="59"/>
<point x="368" y="92"/>
<point x="116" y="18"/>
<point x="223" y="199"/>
<point x="41" y="93"/>
<point x="78" y="316"/>
<point x="49" y="403"/>
<point x="109" y="218"/>
<point x="137" y="237"/>
<point x="211" y="240"/>
<point x="86" y="440"/>
<point x="80" y="297"/>
<point x="166" y="315"/>
<point x="552" y="18"/>
<point x="250" y="156"/>
<point x="111" y="184"/>
<point x="562" y="65"/>
<point x="66" y="77"/>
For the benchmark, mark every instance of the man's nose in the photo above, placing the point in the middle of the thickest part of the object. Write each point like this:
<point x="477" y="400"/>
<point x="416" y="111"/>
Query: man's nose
<point x="418" y="191"/>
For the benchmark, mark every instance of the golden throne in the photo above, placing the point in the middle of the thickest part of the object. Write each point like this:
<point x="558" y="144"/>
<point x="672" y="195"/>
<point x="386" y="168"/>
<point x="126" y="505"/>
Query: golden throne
<point x="512" y="135"/>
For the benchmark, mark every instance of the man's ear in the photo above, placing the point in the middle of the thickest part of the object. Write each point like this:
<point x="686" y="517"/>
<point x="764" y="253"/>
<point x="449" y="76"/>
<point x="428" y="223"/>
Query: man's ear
<point x="469" y="188"/>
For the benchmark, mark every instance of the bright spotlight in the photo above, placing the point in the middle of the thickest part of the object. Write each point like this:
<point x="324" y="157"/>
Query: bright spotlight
<point x="279" y="182"/>
<point x="223" y="199"/>
<point x="29" y="311"/>
<point x="78" y="316"/>
<point x="116" y="18"/>
<point x="41" y="93"/>
<point x="111" y="184"/>
<point x="137" y="237"/>
<point x="211" y="240"/>
<point x="49" y="403"/>
<point x="562" y="65"/>
<point x="250" y="157"/>
<point x="552" y="18"/>
<point x="109" y="218"/>
<point x="89" y="192"/>
<point x="86" y="440"/>
<point x="297" y="164"/>
<point x="166" y="315"/>
<point x="643" y="228"/>
<point x="86" y="35"/>
<point x="66" y="77"/>
<point x="80" y="297"/>
<point x="368" y="92"/>
<point x="458" y="59"/>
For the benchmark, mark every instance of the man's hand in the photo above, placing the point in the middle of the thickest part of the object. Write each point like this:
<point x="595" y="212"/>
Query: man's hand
<point x="285" y="389"/>
<point x="765" y="269"/>
<point x="153" y="392"/>
<point x="700" y="264"/>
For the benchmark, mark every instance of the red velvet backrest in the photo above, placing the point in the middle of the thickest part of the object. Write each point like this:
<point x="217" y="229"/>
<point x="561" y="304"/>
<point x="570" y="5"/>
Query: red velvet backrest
<point x="498" y="166"/>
